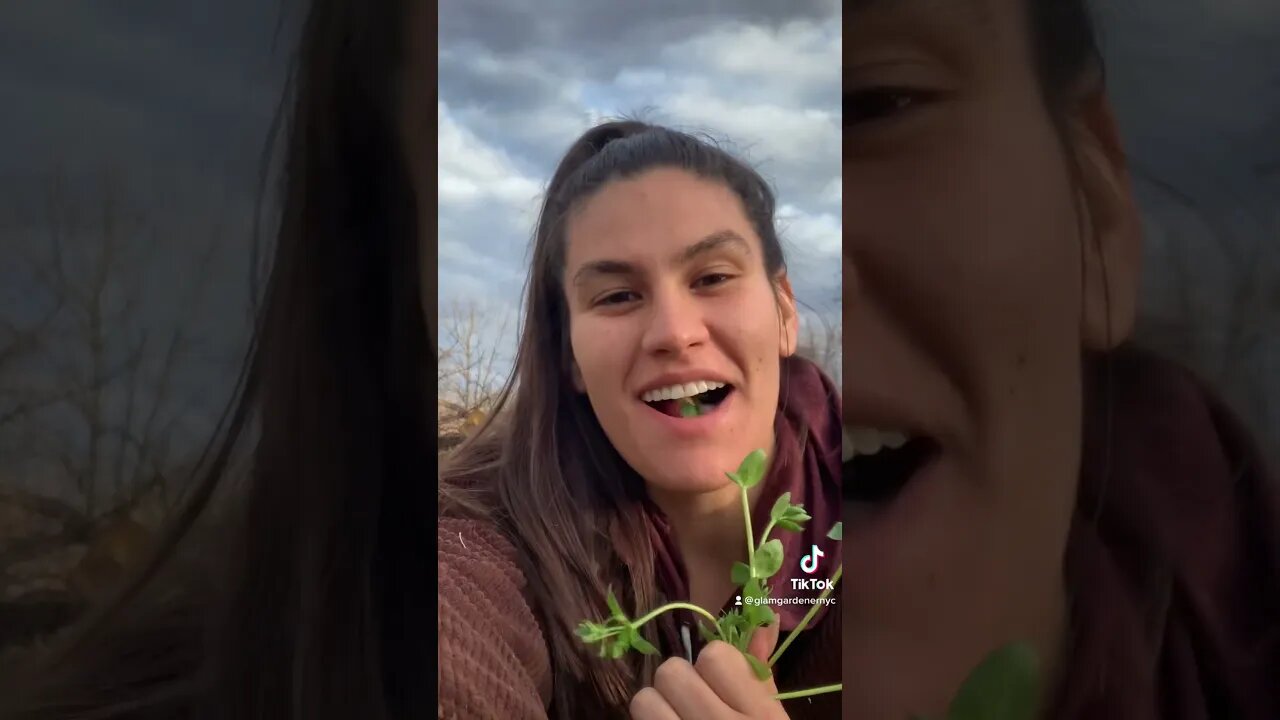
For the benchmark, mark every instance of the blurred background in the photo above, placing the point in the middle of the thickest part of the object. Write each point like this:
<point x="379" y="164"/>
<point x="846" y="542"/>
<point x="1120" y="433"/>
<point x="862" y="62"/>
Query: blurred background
<point x="520" y="82"/>
<point x="132" y="158"/>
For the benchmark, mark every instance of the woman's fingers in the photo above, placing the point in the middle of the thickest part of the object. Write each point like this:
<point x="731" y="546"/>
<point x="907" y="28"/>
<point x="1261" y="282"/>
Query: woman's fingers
<point x="687" y="691"/>
<point x="724" y="669"/>
<point x="648" y="704"/>
<point x="764" y="641"/>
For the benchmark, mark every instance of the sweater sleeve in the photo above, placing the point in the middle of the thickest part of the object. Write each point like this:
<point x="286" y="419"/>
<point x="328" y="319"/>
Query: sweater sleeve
<point x="494" y="661"/>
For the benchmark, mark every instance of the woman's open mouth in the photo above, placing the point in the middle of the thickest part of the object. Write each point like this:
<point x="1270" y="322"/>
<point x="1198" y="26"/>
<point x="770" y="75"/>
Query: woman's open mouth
<point x="878" y="464"/>
<point x="688" y="400"/>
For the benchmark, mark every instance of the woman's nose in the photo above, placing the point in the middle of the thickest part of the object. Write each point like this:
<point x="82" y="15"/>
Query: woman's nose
<point x="675" y="323"/>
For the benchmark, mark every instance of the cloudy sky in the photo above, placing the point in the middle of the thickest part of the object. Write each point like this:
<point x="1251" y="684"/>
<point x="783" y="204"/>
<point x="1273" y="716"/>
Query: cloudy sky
<point x="520" y="81"/>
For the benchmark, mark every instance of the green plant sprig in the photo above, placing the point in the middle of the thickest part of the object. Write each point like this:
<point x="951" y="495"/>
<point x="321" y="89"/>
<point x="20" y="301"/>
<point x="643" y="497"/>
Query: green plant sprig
<point x="618" y="634"/>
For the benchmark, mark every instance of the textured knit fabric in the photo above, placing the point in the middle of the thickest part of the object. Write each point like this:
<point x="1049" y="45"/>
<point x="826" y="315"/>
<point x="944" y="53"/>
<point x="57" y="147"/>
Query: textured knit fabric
<point x="494" y="662"/>
<point x="1174" y="557"/>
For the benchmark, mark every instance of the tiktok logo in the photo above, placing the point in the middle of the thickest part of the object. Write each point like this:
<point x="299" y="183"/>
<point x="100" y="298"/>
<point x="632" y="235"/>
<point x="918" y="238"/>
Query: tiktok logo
<point x="809" y="563"/>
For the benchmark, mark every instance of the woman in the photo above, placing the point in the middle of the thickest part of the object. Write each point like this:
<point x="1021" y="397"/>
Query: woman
<point x="1068" y="491"/>
<point x="655" y="264"/>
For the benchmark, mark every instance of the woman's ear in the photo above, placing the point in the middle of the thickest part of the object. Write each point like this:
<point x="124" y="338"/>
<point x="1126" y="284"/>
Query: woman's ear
<point x="789" y="338"/>
<point x="1112" y="227"/>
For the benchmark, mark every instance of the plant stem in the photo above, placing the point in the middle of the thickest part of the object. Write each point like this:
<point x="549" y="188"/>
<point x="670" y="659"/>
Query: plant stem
<point x="764" y="538"/>
<point x="675" y="606"/>
<point x="811" y="691"/>
<point x="751" y="548"/>
<point x="813" y="610"/>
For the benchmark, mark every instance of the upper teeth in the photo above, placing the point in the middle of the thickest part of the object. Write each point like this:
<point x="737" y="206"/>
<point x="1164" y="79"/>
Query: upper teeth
<point x="869" y="441"/>
<point x="677" y="391"/>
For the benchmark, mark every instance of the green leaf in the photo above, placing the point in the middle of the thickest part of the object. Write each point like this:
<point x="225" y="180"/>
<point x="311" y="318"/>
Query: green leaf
<point x="618" y="649"/>
<point x="758" y="615"/>
<point x="797" y="513"/>
<point x="614" y="607"/>
<point x="740" y="574"/>
<point x="1004" y="686"/>
<point x="755" y="588"/>
<point x="837" y="532"/>
<point x="789" y="525"/>
<point x="780" y="507"/>
<point x="707" y="633"/>
<point x="762" y="670"/>
<point x="639" y="643"/>
<point x="751" y="471"/>
<point x="768" y="559"/>
<point x="737" y="480"/>
<point x="688" y="408"/>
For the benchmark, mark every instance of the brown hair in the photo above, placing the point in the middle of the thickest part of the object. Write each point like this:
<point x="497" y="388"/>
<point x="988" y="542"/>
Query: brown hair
<point x="542" y="466"/>
<point x="314" y="610"/>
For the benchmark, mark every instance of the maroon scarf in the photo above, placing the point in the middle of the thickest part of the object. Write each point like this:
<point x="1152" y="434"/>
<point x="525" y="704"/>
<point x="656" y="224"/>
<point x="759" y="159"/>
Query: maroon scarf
<point x="806" y="463"/>
<point x="1174" y="556"/>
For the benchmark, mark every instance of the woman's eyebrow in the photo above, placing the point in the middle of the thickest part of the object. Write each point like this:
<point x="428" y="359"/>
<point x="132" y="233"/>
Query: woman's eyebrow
<point x="718" y="240"/>
<point x="954" y="30"/>
<point x="715" y="241"/>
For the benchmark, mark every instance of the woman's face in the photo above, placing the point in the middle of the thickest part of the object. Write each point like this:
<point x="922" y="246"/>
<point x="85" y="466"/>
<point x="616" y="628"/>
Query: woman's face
<point x="668" y="296"/>
<point x="970" y="289"/>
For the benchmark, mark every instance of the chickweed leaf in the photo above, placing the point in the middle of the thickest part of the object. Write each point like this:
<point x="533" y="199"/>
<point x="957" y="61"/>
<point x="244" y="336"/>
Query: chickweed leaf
<point x="740" y="574"/>
<point x="780" y="507"/>
<point x="614" y="608"/>
<point x="758" y="615"/>
<point x="789" y="525"/>
<point x="751" y="471"/>
<point x="590" y="632"/>
<point x="736" y="478"/>
<point x="618" y="648"/>
<point x="762" y="671"/>
<point x="639" y="643"/>
<point x="1005" y="686"/>
<point x="768" y="559"/>
<point x="837" y="532"/>
<point x="707" y="633"/>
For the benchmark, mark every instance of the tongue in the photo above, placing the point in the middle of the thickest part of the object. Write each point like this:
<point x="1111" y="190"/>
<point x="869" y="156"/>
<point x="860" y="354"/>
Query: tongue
<point x="669" y="407"/>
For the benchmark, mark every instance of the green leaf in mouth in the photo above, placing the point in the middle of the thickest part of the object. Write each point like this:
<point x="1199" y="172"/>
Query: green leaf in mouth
<point x="689" y="408"/>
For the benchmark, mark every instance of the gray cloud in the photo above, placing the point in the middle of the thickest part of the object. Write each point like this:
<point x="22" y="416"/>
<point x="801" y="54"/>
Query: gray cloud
<point x="601" y="37"/>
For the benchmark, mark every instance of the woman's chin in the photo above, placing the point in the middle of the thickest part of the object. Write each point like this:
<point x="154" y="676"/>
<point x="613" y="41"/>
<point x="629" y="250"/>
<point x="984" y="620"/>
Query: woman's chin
<point x="693" y="475"/>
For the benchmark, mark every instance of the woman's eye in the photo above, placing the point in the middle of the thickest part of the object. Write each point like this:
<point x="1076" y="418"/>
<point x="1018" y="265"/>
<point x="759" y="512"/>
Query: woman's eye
<point x="616" y="298"/>
<point x="712" y="279"/>
<point x="876" y="104"/>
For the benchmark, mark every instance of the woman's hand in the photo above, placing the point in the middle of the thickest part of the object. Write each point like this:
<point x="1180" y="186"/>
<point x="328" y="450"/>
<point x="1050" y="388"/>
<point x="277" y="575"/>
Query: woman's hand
<point x="720" y="686"/>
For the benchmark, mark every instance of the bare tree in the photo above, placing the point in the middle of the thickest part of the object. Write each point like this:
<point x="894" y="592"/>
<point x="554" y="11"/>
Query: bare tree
<point x="471" y="366"/>
<point x="88" y="371"/>
<point x="821" y="340"/>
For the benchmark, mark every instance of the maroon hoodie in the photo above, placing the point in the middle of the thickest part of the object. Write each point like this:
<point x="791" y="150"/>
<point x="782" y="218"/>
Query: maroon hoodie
<point x="1174" y="556"/>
